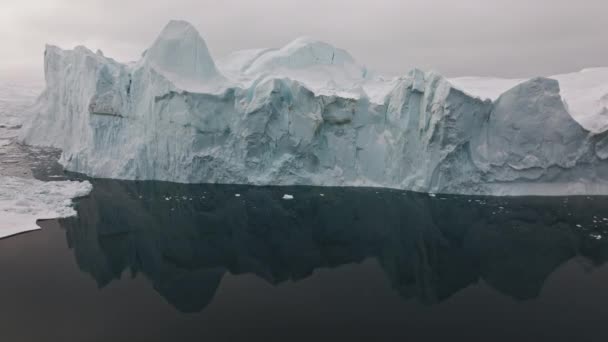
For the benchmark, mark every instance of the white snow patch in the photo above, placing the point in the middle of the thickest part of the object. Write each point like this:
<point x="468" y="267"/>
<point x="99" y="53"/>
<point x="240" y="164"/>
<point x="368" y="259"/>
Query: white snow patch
<point x="485" y="87"/>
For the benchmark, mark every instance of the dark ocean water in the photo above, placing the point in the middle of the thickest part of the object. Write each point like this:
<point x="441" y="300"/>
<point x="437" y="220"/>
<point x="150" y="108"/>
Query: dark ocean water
<point x="152" y="261"/>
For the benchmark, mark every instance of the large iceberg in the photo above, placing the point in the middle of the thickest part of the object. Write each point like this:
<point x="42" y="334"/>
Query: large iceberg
<point x="308" y="114"/>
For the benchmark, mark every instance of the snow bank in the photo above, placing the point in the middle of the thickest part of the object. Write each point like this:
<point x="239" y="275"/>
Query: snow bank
<point x="308" y="114"/>
<point x="23" y="201"/>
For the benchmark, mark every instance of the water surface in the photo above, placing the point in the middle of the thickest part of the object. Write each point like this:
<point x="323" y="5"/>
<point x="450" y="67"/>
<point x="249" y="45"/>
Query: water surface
<point x="153" y="261"/>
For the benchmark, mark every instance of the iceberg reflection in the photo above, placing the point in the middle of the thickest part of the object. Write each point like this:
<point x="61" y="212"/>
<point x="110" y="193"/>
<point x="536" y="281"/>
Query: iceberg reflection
<point x="184" y="238"/>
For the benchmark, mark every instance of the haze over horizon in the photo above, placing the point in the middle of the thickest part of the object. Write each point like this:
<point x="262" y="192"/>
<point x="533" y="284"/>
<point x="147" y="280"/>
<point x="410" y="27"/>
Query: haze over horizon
<point x="503" y="38"/>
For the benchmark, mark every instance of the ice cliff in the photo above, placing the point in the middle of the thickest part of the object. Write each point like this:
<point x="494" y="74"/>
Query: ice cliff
<point x="307" y="114"/>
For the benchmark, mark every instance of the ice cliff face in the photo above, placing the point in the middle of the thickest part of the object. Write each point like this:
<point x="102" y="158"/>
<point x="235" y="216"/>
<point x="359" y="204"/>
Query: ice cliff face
<point x="305" y="114"/>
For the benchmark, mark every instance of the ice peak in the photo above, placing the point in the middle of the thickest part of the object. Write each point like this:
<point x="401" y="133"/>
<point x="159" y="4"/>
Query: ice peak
<point x="180" y="53"/>
<point x="178" y="29"/>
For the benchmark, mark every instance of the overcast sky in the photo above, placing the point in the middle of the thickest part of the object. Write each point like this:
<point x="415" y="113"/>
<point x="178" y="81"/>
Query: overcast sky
<point x="510" y="38"/>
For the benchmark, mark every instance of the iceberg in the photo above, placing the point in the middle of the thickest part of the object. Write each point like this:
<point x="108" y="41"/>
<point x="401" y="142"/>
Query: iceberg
<point x="309" y="114"/>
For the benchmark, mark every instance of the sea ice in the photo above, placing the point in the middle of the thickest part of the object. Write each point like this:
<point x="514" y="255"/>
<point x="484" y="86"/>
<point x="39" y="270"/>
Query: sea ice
<point x="24" y="201"/>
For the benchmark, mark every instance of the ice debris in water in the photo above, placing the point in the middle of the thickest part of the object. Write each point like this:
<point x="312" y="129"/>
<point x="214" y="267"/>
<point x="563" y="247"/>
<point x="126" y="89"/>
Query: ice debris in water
<point x="287" y="197"/>
<point x="24" y="201"/>
<point x="596" y="236"/>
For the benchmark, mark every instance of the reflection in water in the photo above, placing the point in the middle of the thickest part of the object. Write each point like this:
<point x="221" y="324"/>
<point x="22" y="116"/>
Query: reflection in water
<point x="184" y="238"/>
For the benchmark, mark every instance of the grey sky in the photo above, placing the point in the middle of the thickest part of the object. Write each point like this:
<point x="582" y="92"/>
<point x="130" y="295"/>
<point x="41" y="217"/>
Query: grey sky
<point x="511" y="38"/>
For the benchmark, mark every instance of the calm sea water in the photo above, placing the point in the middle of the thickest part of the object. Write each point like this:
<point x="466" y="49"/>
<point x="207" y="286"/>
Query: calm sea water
<point x="152" y="261"/>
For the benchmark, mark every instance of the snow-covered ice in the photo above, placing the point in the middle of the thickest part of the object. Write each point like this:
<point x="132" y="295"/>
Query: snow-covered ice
<point x="319" y="66"/>
<point x="24" y="201"/>
<point x="585" y="94"/>
<point x="309" y="114"/>
<point x="485" y="87"/>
